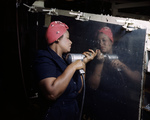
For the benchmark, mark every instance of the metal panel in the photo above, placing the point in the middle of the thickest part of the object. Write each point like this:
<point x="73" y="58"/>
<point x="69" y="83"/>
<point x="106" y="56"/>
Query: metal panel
<point x="117" y="96"/>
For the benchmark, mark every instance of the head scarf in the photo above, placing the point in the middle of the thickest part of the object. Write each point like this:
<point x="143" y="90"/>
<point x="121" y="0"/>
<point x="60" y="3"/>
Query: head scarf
<point x="55" y="30"/>
<point x="107" y="31"/>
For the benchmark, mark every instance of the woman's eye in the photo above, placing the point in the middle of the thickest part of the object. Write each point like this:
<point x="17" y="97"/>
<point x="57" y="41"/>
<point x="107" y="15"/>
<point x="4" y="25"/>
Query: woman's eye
<point x="103" y="40"/>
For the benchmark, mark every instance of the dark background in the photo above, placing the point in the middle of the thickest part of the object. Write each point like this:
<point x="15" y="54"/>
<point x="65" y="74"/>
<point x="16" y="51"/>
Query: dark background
<point x="20" y="40"/>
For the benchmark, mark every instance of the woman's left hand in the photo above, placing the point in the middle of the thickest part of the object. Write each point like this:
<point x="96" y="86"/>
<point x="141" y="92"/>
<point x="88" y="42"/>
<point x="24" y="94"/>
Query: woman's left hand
<point x="89" y="55"/>
<point x="117" y="64"/>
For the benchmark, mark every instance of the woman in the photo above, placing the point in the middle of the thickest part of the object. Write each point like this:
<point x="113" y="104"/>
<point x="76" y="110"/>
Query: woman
<point x="59" y="82"/>
<point x="105" y="43"/>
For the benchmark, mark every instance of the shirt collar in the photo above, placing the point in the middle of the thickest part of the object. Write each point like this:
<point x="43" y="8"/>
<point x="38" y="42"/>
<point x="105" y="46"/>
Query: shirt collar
<point x="55" y="56"/>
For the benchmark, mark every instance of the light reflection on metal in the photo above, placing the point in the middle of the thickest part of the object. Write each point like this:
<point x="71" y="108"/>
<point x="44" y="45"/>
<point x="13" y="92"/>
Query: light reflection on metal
<point x="129" y="24"/>
<point x="31" y="8"/>
<point x="79" y="15"/>
<point x="51" y="11"/>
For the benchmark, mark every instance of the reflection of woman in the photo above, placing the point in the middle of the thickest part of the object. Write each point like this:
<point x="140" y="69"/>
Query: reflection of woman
<point x="107" y="94"/>
<point x="59" y="82"/>
<point x="105" y="40"/>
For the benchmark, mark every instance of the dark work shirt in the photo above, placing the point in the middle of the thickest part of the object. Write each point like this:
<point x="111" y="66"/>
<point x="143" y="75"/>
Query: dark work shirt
<point x="49" y="64"/>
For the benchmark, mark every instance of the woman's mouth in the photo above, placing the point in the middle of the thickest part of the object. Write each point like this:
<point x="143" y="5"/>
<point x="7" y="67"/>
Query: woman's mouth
<point x="102" y="47"/>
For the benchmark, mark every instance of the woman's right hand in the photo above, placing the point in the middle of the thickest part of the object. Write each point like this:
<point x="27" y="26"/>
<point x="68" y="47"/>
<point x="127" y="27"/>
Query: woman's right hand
<point x="79" y="64"/>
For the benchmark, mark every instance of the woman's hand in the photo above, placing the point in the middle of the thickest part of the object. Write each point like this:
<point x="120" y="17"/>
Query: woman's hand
<point x="117" y="64"/>
<point x="90" y="55"/>
<point x="100" y="56"/>
<point x="78" y="64"/>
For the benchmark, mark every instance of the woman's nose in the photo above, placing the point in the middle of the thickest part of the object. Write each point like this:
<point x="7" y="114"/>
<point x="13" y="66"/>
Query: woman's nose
<point x="70" y="42"/>
<point x="101" y="42"/>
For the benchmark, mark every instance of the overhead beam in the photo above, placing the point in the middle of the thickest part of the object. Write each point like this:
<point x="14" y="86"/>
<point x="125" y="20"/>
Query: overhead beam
<point x="117" y="6"/>
<point x="132" y="5"/>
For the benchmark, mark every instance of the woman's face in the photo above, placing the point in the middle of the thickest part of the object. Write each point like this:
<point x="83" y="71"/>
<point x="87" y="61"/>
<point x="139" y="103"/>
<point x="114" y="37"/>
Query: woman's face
<point x="105" y="43"/>
<point x="65" y="43"/>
